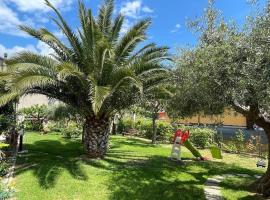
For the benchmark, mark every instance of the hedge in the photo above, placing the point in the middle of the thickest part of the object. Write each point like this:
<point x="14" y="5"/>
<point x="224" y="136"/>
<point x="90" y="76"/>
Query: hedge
<point x="200" y="137"/>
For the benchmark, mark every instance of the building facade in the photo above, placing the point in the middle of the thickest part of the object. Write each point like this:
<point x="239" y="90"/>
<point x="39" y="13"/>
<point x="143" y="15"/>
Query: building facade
<point x="228" y="118"/>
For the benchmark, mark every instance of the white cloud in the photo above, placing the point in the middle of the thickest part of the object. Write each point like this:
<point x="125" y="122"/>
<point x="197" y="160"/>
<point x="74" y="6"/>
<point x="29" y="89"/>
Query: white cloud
<point x="135" y="9"/>
<point x="146" y="9"/>
<point x="38" y="5"/>
<point x="40" y="48"/>
<point x="9" y="21"/>
<point x="16" y="12"/>
<point x="176" y="28"/>
<point x="44" y="49"/>
<point x="126" y="26"/>
<point x="16" y="49"/>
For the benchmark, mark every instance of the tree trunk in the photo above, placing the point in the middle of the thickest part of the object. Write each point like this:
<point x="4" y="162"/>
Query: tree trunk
<point x="263" y="184"/>
<point x="96" y="137"/>
<point x="83" y="132"/>
<point x="154" y="137"/>
<point x="249" y="122"/>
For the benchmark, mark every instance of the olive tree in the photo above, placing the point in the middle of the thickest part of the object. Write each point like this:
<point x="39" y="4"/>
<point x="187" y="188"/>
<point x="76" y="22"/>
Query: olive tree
<point x="228" y="68"/>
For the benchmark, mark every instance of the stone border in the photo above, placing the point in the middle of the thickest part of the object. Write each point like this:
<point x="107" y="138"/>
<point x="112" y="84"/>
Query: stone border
<point x="212" y="190"/>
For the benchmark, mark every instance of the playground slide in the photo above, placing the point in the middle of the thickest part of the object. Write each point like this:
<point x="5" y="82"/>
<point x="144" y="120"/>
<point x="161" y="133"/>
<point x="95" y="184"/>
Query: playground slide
<point x="193" y="150"/>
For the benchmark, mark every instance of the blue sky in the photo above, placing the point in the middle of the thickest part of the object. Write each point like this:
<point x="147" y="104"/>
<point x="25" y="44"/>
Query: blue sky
<point x="168" y="28"/>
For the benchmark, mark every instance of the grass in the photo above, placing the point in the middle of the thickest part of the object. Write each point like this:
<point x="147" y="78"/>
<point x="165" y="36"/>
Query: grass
<point x="133" y="169"/>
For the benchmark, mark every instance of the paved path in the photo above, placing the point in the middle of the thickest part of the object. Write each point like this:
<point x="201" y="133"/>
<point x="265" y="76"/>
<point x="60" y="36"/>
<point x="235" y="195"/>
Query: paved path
<point x="212" y="190"/>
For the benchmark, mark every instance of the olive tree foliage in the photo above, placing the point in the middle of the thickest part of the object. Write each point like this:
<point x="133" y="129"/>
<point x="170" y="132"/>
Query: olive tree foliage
<point x="193" y="75"/>
<point x="229" y="67"/>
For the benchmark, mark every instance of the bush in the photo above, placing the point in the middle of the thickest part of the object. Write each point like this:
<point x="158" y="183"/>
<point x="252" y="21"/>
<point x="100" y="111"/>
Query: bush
<point x="202" y="137"/>
<point x="165" y="131"/>
<point x="33" y="125"/>
<point x="71" y="131"/>
<point x="239" y="141"/>
<point x="56" y="126"/>
<point x="34" y="117"/>
<point x="5" y="193"/>
<point x="6" y="121"/>
<point x="3" y="168"/>
<point x="143" y="128"/>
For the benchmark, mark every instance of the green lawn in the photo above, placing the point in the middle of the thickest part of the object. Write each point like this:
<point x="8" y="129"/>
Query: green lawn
<point x="55" y="169"/>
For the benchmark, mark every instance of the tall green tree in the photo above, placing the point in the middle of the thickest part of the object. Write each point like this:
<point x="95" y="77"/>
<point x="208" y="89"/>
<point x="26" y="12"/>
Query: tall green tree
<point x="96" y="69"/>
<point x="229" y="68"/>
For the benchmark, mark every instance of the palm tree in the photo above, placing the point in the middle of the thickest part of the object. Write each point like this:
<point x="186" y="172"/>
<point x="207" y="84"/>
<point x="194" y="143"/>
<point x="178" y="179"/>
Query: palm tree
<point x="95" y="69"/>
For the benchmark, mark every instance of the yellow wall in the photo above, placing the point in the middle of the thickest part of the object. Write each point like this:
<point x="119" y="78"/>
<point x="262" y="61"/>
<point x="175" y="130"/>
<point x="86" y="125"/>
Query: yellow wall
<point x="229" y="118"/>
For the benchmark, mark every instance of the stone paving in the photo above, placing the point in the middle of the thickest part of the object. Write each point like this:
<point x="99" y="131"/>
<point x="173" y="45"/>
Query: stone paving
<point x="212" y="190"/>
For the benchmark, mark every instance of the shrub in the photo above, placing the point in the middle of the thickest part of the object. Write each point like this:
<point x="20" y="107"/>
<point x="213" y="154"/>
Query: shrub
<point x="34" y="117"/>
<point x="5" y="193"/>
<point x="5" y="122"/>
<point x="143" y="128"/>
<point x="230" y="147"/>
<point x="165" y="131"/>
<point x="71" y="131"/>
<point x="202" y="137"/>
<point x="57" y="126"/>
<point x="3" y="168"/>
<point x="239" y="140"/>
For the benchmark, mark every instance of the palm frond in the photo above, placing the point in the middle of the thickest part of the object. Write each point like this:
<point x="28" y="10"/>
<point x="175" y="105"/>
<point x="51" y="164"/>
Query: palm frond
<point x="6" y="98"/>
<point x="98" y="96"/>
<point x="130" y="40"/>
<point x="105" y="16"/>
<point x="67" y="69"/>
<point x="51" y="40"/>
<point x="31" y="58"/>
<point x="116" y="28"/>
<point x="71" y="36"/>
<point x="30" y="78"/>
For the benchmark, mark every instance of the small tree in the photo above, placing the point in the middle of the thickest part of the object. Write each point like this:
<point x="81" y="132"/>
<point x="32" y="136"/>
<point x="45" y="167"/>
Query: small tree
<point x="154" y="101"/>
<point x="35" y="115"/>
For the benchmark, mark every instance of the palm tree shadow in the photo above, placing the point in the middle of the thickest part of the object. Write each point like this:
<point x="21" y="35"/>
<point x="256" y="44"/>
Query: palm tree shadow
<point x="47" y="159"/>
<point x="156" y="177"/>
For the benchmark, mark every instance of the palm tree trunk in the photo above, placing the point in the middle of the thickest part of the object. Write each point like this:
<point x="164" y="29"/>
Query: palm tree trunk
<point x="96" y="137"/>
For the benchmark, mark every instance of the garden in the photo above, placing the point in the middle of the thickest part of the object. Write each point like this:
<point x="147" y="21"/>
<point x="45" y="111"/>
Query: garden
<point x="115" y="128"/>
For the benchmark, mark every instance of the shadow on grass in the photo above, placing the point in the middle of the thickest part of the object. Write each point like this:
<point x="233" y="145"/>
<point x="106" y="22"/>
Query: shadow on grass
<point x="47" y="159"/>
<point x="144" y="177"/>
<point x="132" y="173"/>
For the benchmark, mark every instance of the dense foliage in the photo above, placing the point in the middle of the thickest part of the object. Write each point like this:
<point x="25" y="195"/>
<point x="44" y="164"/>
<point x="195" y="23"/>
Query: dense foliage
<point x="6" y="112"/>
<point x="142" y="127"/>
<point x="34" y="117"/>
<point x="228" y="68"/>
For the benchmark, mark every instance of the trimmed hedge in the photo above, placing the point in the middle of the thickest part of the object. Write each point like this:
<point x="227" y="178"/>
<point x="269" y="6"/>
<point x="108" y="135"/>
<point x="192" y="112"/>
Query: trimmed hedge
<point x="143" y="128"/>
<point x="200" y="137"/>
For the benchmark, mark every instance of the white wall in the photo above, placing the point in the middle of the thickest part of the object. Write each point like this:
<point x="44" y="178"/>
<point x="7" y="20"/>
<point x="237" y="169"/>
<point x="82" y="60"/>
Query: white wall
<point x="34" y="99"/>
